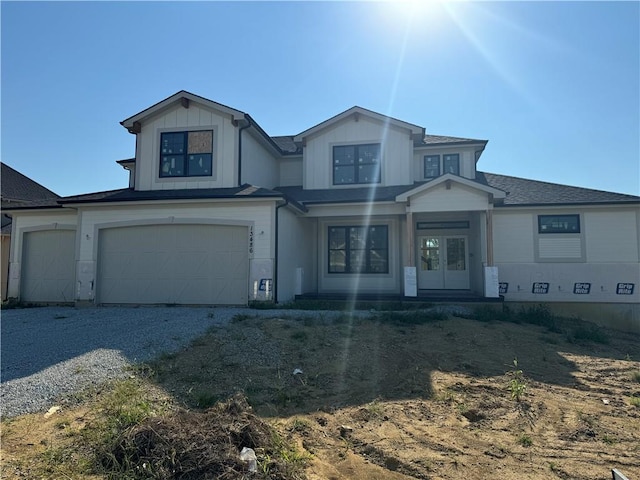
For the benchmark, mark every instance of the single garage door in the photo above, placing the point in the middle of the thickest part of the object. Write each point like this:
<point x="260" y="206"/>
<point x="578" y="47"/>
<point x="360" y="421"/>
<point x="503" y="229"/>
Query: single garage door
<point x="48" y="266"/>
<point x="174" y="264"/>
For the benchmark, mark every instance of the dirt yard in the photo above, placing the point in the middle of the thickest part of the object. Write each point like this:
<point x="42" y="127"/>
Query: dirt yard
<point x="400" y="396"/>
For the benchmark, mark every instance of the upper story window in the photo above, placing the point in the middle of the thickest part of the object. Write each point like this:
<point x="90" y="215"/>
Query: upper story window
<point x="451" y="163"/>
<point x="431" y="166"/>
<point x="186" y="154"/>
<point x="356" y="164"/>
<point x="559" y="223"/>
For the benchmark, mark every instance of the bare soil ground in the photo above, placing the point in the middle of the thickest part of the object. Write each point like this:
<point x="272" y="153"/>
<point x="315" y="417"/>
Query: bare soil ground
<point x="399" y="396"/>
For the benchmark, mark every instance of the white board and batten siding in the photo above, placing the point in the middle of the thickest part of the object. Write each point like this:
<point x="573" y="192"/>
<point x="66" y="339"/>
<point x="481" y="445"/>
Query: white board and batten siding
<point x="396" y="151"/>
<point x="456" y="198"/>
<point x="297" y="239"/>
<point x="290" y="172"/>
<point x="259" y="166"/>
<point x="178" y="119"/>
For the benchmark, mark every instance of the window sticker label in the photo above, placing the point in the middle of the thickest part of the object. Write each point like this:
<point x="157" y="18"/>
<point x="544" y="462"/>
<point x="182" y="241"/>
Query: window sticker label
<point x="503" y="287"/>
<point x="265" y="285"/>
<point x="625" y="288"/>
<point x="582" y="288"/>
<point x="540" y="287"/>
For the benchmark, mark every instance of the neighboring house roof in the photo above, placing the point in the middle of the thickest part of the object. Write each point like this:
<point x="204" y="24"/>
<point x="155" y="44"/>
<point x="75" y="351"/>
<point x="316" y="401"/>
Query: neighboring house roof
<point x="18" y="188"/>
<point x="525" y="192"/>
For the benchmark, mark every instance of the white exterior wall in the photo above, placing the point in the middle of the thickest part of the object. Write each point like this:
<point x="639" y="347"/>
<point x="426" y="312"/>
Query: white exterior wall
<point x="457" y="198"/>
<point x="365" y="283"/>
<point x="290" y="172"/>
<point x="178" y="118"/>
<point x="396" y="151"/>
<point x="257" y="215"/>
<point x="29" y="222"/>
<point x="604" y="255"/>
<point x="259" y="166"/>
<point x="467" y="160"/>
<point x="297" y="239"/>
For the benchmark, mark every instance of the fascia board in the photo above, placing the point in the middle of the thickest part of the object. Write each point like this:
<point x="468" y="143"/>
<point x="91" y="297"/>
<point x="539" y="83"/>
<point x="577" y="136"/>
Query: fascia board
<point x="403" y="197"/>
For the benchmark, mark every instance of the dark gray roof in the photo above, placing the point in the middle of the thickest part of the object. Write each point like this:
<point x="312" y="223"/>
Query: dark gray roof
<point x="287" y="145"/>
<point x="18" y="189"/>
<point x="346" y="195"/>
<point x="130" y="195"/>
<point x="523" y="192"/>
<point x="444" y="140"/>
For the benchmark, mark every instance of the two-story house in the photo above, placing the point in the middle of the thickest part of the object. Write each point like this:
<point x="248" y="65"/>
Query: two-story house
<point x="219" y="212"/>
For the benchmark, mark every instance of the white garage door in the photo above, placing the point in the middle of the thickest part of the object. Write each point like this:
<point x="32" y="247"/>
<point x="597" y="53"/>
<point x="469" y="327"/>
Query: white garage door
<point x="174" y="264"/>
<point x="48" y="266"/>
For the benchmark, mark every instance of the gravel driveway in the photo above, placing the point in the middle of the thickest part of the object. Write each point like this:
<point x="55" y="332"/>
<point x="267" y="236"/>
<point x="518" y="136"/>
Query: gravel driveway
<point x="52" y="351"/>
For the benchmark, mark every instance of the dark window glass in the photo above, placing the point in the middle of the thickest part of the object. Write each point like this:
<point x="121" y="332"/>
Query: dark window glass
<point x="186" y="154"/>
<point x="359" y="249"/>
<point x="431" y="166"/>
<point x="558" y="223"/>
<point x="356" y="164"/>
<point x="451" y="163"/>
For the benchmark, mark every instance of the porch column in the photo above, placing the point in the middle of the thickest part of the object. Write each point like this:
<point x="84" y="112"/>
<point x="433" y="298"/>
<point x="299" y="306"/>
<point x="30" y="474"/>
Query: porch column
<point x="489" y="217"/>
<point x="410" y="240"/>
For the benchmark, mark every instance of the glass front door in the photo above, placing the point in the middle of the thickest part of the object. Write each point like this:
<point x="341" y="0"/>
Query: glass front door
<point x="443" y="262"/>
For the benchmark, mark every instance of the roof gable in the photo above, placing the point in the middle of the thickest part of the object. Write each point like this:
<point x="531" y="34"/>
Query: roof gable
<point x="184" y="98"/>
<point x="447" y="179"/>
<point x="18" y="189"/>
<point x="356" y="112"/>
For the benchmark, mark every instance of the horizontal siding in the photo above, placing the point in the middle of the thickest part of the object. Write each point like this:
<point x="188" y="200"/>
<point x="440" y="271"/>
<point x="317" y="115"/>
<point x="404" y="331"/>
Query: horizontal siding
<point x="559" y="247"/>
<point x="259" y="166"/>
<point x="290" y="172"/>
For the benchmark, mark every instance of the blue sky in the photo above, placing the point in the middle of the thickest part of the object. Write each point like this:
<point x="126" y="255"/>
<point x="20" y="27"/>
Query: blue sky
<point x="554" y="87"/>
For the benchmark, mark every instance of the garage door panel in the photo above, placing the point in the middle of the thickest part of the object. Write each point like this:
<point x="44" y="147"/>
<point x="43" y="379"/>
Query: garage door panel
<point x="48" y="266"/>
<point x="183" y="264"/>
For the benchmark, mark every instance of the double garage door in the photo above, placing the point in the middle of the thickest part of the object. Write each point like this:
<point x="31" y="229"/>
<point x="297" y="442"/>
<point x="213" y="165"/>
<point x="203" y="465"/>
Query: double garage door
<point x="173" y="264"/>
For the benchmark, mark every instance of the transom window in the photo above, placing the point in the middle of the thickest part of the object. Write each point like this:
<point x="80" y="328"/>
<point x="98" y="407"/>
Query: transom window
<point x="359" y="249"/>
<point x="451" y="163"/>
<point x="356" y="164"/>
<point x="431" y="166"/>
<point x="558" y="223"/>
<point x="186" y="154"/>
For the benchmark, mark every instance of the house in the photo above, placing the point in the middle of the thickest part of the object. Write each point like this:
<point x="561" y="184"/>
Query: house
<point x="219" y="212"/>
<point x="17" y="190"/>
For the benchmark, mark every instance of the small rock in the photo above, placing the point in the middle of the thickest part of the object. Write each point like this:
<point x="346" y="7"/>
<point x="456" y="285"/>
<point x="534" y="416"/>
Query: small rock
<point x="605" y="401"/>
<point x="51" y="411"/>
<point x="345" y="430"/>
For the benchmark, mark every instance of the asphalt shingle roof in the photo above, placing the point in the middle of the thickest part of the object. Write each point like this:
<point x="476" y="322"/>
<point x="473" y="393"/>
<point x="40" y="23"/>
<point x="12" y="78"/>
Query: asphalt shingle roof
<point x="130" y="195"/>
<point x="442" y="139"/>
<point x="18" y="189"/>
<point x="522" y="192"/>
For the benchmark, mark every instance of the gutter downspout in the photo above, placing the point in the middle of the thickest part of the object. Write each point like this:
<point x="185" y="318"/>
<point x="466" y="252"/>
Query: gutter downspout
<point x="240" y="148"/>
<point x="275" y="261"/>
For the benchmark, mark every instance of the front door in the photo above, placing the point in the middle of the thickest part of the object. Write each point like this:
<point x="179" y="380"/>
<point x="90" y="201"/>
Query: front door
<point x="443" y="262"/>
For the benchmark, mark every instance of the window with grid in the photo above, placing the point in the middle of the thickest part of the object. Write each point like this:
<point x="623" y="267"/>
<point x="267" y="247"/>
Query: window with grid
<point x="356" y="164"/>
<point x="186" y="154"/>
<point x="359" y="249"/>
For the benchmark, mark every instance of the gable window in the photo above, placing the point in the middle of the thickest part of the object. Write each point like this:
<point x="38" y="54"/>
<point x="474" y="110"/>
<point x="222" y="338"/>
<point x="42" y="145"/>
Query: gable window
<point x="186" y="154"/>
<point x="451" y="163"/>
<point x="356" y="164"/>
<point x="359" y="249"/>
<point x="558" y="223"/>
<point x="431" y="166"/>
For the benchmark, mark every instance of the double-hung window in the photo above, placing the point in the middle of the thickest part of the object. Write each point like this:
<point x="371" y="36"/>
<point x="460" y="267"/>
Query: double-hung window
<point x="451" y="163"/>
<point x="359" y="249"/>
<point x="186" y="154"/>
<point x="356" y="164"/>
<point x="431" y="166"/>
